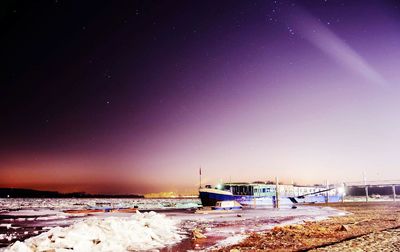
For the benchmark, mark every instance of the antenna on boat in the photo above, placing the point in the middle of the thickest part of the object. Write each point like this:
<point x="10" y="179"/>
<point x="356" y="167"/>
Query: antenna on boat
<point x="200" y="177"/>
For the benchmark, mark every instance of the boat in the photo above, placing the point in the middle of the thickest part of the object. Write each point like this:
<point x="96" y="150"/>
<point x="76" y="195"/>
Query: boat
<point x="264" y="194"/>
<point x="83" y="211"/>
<point x="102" y="210"/>
<point x="227" y="205"/>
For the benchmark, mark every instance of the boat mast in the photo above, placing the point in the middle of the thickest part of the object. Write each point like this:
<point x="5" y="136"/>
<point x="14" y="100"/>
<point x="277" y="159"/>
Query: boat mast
<point x="200" y="178"/>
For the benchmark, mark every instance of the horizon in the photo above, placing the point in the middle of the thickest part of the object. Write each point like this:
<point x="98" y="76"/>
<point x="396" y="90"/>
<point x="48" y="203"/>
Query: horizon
<point x="134" y="97"/>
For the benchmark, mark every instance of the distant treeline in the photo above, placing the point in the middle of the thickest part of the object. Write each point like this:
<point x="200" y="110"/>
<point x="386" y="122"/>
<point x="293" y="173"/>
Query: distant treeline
<point x="29" y="193"/>
<point x="381" y="190"/>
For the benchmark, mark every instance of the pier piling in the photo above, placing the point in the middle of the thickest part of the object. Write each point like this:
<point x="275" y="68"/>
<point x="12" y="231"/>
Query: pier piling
<point x="394" y="192"/>
<point x="366" y="187"/>
<point x="276" y="193"/>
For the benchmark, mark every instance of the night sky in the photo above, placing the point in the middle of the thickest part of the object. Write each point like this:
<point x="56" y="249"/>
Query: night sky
<point x="135" y="96"/>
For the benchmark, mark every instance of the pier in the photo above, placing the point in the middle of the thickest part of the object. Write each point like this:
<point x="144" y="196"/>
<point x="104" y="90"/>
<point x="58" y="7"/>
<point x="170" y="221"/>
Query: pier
<point x="379" y="187"/>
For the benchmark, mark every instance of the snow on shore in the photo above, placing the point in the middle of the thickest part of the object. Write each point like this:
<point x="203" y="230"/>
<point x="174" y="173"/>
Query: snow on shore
<point x="141" y="231"/>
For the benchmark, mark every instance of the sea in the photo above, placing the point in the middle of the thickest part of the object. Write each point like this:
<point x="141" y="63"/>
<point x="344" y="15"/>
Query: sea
<point x="21" y="219"/>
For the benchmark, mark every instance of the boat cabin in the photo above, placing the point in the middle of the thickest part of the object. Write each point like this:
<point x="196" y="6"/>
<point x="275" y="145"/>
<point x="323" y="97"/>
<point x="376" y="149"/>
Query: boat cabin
<point x="250" y="189"/>
<point x="263" y="189"/>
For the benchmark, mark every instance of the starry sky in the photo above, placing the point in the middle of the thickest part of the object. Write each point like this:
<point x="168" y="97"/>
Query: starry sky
<point x="135" y="96"/>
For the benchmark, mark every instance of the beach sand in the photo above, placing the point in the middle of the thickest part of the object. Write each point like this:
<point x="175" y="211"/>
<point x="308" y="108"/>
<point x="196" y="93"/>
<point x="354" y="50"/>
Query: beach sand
<point x="373" y="226"/>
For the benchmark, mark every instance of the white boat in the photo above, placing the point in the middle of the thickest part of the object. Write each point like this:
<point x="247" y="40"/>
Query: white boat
<point x="263" y="194"/>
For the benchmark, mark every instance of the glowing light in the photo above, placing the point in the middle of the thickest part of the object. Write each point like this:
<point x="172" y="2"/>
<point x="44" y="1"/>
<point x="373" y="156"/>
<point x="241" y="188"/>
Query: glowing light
<point x="341" y="190"/>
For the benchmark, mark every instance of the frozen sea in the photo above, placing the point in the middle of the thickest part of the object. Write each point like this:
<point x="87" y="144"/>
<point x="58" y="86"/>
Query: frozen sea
<point x="162" y="224"/>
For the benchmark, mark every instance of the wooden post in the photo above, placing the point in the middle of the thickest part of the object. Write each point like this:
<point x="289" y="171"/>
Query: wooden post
<point x="344" y="191"/>
<point x="327" y="192"/>
<point x="366" y="187"/>
<point x="276" y="192"/>
<point x="254" y="198"/>
<point x="394" y="192"/>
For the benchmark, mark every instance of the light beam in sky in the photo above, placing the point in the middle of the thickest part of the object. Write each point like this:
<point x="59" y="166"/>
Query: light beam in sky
<point x="329" y="43"/>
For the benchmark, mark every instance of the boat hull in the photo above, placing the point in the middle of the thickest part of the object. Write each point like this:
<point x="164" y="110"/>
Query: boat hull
<point x="319" y="199"/>
<point x="227" y="208"/>
<point x="211" y="198"/>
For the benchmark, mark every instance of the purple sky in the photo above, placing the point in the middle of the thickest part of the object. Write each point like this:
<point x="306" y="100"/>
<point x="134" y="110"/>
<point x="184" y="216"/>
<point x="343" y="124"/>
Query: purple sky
<point x="134" y="97"/>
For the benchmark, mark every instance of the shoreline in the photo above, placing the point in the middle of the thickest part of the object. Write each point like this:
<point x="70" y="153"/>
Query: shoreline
<point x="364" y="221"/>
<point x="311" y="227"/>
<point x="216" y="231"/>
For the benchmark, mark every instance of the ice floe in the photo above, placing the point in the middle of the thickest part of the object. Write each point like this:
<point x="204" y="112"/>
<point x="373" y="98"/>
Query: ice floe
<point x="141" y="231"/>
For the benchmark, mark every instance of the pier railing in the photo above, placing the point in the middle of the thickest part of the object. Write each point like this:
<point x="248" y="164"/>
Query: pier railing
<point x="373" y="183"/>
